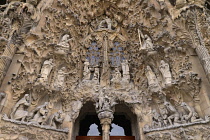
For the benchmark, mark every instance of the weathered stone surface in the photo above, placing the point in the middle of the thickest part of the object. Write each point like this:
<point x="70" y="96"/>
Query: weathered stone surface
<point x="58" y="55"/>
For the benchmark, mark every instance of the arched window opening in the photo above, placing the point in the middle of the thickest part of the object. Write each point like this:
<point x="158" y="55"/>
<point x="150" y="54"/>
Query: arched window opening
<point x="116" y="53"/>
<point x="93" y="54"/>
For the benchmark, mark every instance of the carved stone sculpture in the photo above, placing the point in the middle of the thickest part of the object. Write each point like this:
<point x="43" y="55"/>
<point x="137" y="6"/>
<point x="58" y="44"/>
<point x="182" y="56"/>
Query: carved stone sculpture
<point x="39" y="115"/>
<point x="126" y="71"/>
<point x="57" y="120"/>
<point x="117" y="77"/>
<point x="156" y="120"/>
<point x="60" y="79"/>
<point x="63" y="45"/>
<point x="191" y="115"/>
<point x="165" y="70"/>
<point x="96" y="76"/>
<point x="45" y="71"/>
<point x="86" y="71"/>
<point x="164" y="113"/>
<point x="19" y="111"/>
<point x="173" y="116"/>
<point x="105" y="24"/>
<point x="147" y="43"/>
<point x="152" y="80"/>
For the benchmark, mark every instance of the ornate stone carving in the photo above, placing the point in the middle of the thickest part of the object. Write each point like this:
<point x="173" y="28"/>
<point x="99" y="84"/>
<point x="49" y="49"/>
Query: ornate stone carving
<point x="60" y="78"/>
<point x="165" y="71"/>
<point x="45" y="71"/>
<point x="86" y="71"/>
<point x="191" y="115"/>
<point x="39" y="115"/>
<point x="117" y="77"/>
<point x="63" y="45"/>
<point x="57" y="120"/>
<point x="152" y="80"/>
<point x="19" y="111"/>
<point x="125" y="71"/>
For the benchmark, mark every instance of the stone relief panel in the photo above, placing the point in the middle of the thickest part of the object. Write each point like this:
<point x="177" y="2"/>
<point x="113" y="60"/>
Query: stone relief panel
<point x="79" y="51"/>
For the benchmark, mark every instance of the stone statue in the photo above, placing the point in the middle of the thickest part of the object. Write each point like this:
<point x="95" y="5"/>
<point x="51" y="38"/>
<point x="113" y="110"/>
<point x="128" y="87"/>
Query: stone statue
<point x="60" y="78"/>
<point x="164" y="114"/>
<point x="165" y="70"/>
<point x="45" y="71"/>
<point x="96" y="75"/>
<point x="173" y="114"/>
<point x="156" y="120"/>
<point x="39" y="115"/>
<point x="116" y="77"/>
<point x="147" y="42"/>
<point x="86" y="71"/>
<point x="63" y="45"/>
<point x="64" y="41"/>
<point x="57" y="120"/>
<point x="152" y="80"/>
<point x="19" y="111"/>
<point x="192" y="116"/>
<point x="125" y="70"/>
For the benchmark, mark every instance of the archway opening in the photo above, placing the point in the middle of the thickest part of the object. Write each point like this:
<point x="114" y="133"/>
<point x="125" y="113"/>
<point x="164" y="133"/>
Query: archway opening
<point x="123" y="124"/>
<point x="90" y="126"/>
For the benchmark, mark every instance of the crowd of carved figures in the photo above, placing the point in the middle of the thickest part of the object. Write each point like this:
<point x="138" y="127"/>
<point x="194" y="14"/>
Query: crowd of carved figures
<point x="39" y="116"/>
<point x="69" y="52"/>
<point x="168" y="116"/>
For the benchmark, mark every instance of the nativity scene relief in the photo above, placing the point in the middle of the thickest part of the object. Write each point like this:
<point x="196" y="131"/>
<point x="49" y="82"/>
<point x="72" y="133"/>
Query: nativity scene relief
<point x="104" y="69"/>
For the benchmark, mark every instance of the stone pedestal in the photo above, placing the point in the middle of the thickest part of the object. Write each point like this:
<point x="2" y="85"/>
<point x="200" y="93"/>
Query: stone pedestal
<point x="106" y="122"/>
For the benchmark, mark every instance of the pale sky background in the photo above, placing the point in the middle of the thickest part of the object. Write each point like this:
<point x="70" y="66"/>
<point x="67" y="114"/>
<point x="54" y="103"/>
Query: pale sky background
<point x="116" y="130"/>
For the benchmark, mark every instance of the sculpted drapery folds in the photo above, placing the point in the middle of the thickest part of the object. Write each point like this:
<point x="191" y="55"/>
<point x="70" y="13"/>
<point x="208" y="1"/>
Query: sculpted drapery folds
<point x="19" y="111"/>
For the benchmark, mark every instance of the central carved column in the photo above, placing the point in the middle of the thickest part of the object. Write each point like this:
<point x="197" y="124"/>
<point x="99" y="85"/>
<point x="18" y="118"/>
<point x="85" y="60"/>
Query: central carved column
<point x="105" y="109"/>
<point x="106" y="122"/>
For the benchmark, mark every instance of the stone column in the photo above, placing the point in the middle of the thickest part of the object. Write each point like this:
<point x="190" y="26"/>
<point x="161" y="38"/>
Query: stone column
<point x="70" y="126"/>
<point x="106" y="117"/>
<point x="106" y="122"/>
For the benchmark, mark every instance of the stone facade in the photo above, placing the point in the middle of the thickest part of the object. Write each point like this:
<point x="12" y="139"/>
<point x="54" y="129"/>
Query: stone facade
<point x="152" y="56"/>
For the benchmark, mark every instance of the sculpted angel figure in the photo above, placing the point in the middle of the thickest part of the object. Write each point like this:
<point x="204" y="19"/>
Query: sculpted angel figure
<point x="145" y="42"/>
<point x="60" y="78"/>
<point x="152" y="80"/>
<point x="125" y="70"/>
<point x="19" y="111"/>
<point x="165" y="70"/>
<point x="86" y="71"/>
<point x="46" y="69"/>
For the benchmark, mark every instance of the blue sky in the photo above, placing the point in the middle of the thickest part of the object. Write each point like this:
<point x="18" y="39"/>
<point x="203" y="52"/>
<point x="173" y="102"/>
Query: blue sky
<point x="116" y="130"/>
